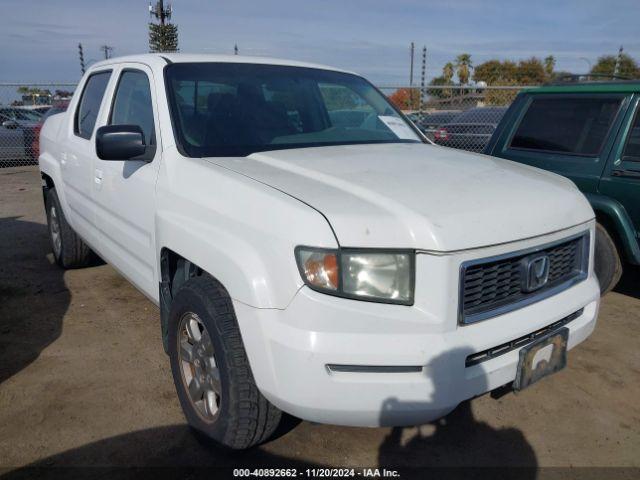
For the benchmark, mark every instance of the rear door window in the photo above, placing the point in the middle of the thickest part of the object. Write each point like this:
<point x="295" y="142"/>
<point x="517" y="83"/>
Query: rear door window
<point x="89" y="106"/>
<point x="576" y="125"/>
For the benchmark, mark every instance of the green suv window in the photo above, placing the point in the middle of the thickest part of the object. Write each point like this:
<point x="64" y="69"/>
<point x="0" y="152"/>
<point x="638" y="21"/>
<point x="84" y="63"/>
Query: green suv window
<point x="632" y="148"/>
<point x="572" y="125"/>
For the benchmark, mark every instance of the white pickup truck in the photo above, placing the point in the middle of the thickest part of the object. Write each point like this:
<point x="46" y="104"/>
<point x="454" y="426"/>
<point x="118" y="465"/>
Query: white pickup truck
<point x="309" y="250"/>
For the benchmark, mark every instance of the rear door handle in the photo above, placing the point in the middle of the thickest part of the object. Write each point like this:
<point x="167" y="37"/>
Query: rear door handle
<point x="98" y="177"/>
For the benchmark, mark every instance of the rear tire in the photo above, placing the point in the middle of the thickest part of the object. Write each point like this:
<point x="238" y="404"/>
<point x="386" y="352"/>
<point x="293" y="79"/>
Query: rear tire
<point x="220" y="400"/>
<point x="607" y="264"/>
<point x="68" y="248"/>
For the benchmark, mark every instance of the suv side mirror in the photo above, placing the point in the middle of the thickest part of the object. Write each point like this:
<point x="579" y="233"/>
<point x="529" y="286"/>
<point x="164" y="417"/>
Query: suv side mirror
<point x="120" y="142"/>
<point x="11" y="124"/>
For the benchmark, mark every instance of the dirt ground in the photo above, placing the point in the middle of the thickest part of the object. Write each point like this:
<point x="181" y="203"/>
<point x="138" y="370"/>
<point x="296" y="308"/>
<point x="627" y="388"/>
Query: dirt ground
<point x="84" y="381"/>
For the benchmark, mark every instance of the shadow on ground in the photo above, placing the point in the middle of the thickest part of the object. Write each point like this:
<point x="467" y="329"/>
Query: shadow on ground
<point x="27" y="277"/>
<point x="457" y="440"/>
<point x="457" y="445"/>
<point x="630" y="282"/>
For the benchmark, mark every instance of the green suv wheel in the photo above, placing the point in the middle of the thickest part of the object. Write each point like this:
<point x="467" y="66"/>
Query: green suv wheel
<point x="608" y="266"/>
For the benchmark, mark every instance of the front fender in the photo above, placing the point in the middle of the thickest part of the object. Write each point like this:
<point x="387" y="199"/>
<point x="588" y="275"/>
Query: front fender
<point x="619" y="217"/>
<point x="240" y="231"/>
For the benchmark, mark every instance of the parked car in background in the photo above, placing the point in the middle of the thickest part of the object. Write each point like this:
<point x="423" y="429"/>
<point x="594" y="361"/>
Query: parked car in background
<point x="57" y="107"/>
<point x="43" y="109"/>
<point x="590" y="133"/>
<point x="335" y="267"/>
<point x="431" y="122"/>
<point x="17" y="132"/>
<point x="470" y="130"/>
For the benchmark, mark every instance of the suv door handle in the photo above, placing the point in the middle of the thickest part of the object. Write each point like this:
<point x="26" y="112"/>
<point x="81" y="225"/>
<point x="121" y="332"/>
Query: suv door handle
<point x="98" y="177"/>
<point x="625" y="173"/>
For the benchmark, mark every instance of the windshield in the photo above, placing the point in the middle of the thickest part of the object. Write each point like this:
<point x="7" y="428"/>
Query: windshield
<point x="236" y="109"/>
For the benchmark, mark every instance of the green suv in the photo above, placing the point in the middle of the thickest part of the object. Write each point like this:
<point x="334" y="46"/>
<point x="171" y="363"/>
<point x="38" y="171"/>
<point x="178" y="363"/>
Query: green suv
<point x="590" y="133"/>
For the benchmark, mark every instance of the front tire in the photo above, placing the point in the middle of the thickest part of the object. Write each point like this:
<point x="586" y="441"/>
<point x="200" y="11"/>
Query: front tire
<point x="607" y="264"/>
<point x="68" y="248"/>
<point x="211" y="370"/>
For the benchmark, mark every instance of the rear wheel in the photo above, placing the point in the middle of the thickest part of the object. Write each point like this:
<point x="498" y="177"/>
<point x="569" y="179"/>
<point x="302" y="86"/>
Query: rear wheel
<point x="68" y="248"/>
<point x="607" y="264"/>
<point x="211" y="370"/>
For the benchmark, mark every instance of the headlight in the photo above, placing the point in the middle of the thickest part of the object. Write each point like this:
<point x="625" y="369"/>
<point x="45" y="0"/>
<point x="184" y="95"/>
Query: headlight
<point x="374" y="275"/>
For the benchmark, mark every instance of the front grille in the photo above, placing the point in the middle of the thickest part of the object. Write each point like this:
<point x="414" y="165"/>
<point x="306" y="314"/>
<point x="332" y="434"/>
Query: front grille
<point x="493" y="286"/>
<point x="494" y="352"/>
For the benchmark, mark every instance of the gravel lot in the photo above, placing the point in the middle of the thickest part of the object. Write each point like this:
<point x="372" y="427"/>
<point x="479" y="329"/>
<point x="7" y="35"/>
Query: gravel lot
<point x="84" y="381"/>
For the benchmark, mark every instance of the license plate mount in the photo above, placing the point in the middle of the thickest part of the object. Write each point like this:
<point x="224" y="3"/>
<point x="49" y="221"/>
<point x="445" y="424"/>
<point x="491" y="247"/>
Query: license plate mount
<point x="545" y="356"/>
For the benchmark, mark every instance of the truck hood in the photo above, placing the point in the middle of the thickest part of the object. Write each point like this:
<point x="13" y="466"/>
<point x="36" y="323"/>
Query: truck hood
<point x="419" y="196"/>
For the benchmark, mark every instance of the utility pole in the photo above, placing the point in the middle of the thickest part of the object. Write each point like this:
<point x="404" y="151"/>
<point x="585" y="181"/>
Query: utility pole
<point x="81" y="55"/>
<point x="422" y="82"/>
<point x="161" y="12"/>
<point x="107" y="51"/>
<point x="411" y="68"/>
<point x="616" y="69"/>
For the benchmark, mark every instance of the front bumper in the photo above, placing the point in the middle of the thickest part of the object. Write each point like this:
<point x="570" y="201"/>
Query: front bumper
<point x="290" y="352"/>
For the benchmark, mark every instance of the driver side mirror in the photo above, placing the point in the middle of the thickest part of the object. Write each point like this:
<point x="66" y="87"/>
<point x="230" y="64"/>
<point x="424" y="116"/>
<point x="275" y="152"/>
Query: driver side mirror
<point x="11" y="124"/>
<point x="120" y="142"/>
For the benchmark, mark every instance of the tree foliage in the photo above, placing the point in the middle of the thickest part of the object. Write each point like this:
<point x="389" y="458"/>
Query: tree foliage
<point x="606" y="65"/>
<point x="531" y="71"/>
<point x="441" y="81"/>
<point x="549" y="65"/>
<point x="447" y="72"/>
<point x="163" y="38"/>
<point x="405" y="98"/>
<point x="463" y="67"/>
<point x="495" y="71"/>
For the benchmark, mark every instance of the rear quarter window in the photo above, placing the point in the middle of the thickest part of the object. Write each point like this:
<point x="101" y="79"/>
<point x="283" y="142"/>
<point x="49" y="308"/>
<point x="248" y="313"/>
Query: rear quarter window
<point x="576" y="125"/>
<point x="632" y="148"/>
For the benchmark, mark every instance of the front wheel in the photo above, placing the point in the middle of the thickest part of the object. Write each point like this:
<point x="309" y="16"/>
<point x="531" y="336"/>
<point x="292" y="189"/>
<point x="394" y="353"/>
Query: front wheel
<point x="211" y="370"/>
<point x="607" y="264"/>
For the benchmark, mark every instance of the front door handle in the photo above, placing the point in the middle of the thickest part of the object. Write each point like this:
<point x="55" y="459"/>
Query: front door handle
<point x="98" y="177"/>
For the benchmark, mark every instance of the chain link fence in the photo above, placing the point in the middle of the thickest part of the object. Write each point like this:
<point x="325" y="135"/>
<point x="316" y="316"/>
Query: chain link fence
<point x="23" y="108"/>
<point x="455" y="116"/>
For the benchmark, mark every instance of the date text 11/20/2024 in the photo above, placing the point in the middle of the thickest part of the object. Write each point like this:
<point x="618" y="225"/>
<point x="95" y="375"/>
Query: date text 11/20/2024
<point x="316" y="472"/>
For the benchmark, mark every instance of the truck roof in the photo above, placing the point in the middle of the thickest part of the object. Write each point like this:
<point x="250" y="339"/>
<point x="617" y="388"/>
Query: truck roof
<point x="627" y="86"/>
<point x="154" y="58"/>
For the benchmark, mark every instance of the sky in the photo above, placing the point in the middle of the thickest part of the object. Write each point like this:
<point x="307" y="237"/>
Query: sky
<point x="40" y="38"/>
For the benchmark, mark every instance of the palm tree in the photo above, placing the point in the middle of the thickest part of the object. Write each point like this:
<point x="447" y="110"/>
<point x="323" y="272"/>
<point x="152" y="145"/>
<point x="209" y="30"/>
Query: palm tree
<point x="447" y="72"/>
<point x="463" y="67"/>
<point x="549" y="65"/>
